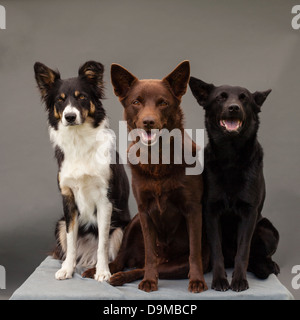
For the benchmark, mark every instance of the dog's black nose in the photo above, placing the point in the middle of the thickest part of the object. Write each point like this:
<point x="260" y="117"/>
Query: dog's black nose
<point x="233" y="108"/>
<point x="70" y="117"/>
<point x="148" y="122"/>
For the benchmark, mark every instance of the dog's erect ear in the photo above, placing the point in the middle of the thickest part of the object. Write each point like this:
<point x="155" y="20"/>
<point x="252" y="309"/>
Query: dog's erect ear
<point x="178" y="79"/>
<point x="261" y="96"/>
<point x="45" y="78"/>
<point x="121" y="80"/>
<point x="92" y="71"/>
<point x="201" y="90"/>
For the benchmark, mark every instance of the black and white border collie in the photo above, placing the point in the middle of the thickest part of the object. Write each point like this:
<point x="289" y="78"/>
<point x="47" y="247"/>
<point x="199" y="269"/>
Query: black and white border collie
<point x="94" y="192"/>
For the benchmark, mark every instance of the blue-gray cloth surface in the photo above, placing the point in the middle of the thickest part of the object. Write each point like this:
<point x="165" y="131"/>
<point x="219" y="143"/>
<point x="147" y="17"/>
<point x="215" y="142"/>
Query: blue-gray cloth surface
<point x="42" y="285"/>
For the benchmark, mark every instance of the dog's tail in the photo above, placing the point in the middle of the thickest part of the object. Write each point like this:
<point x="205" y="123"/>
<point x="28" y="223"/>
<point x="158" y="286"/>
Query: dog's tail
<point x="87" y="245"/>
<point x="59" y="251"/>
<point x="178" y="269"/>
<point x="120" y="278"/>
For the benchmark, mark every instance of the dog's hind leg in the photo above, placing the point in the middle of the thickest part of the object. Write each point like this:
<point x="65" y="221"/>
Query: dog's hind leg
<point x="177" y="269"/>
<point x="263" y="246"/>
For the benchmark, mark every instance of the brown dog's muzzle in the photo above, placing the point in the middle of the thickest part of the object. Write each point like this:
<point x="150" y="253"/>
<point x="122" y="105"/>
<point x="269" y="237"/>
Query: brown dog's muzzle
<point x="150" y="123"/>
<point x="149" y="118"/>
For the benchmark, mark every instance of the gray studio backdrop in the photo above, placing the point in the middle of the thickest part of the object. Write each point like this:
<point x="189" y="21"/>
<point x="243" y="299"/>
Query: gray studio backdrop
<point x="237" y="42"/>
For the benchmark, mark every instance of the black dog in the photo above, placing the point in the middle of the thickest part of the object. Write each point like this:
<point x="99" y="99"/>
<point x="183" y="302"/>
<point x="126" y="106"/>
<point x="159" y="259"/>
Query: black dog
<point x="234" y="190"/>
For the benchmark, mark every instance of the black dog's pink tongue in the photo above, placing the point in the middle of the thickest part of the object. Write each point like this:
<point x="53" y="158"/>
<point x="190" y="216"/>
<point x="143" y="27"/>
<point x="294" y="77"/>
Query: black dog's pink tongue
<point x="232" y="124"/>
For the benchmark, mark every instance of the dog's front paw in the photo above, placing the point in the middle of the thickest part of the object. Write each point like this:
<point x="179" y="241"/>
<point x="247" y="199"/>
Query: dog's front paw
<point x="239" y="284"/>
<point x="148" y="285"/>
<point x="220" y="284"/>
<point x="64" y="273"/>
<point x="102" y="275"/>
<point x="197" y="286"/>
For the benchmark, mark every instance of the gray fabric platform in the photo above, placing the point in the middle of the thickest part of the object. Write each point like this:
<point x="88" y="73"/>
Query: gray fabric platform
<point x="42" y="285"/>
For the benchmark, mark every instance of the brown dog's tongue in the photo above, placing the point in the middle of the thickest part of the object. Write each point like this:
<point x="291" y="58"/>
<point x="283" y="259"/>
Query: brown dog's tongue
<point x="149" y="134"/>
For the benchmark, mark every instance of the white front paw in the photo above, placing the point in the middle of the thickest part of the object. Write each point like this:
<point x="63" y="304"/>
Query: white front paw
<point x="64" y="273"/>
<point x="102" y="275"/>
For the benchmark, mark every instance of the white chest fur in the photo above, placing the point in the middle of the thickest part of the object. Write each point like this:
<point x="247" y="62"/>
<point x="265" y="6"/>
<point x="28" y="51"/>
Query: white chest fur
<point x="86" y="166"/>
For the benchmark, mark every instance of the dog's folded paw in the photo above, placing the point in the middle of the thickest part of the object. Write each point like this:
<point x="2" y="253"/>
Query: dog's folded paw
<point x="118" y="279"/>
<point x="63" y="274"/>
<point x="148" y="285"/>
<point x="197" y="286"/>
<point x="102" y="275"/>
<point x="89" y="273"/>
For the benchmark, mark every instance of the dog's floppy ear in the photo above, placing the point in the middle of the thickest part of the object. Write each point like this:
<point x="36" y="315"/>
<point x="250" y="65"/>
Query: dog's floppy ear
<point x="45" y="78"/>
<point x="201" y="90"/>
<point x="92" y="72"/>
<point x="260" y="97"/>
<point x="121" y="80"/>
<point x="178" y="79"/>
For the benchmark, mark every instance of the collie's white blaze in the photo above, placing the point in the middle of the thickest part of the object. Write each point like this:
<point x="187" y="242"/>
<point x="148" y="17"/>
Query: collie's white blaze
<point x="70" y="109"/>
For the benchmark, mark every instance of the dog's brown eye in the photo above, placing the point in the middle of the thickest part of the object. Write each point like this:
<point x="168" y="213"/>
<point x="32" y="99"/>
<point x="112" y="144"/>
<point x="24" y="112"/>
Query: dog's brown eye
<point x="82" y="97"/>
<point x="61" y="98"/>
<point x="163" y="103"/>
<point x="136" y="102"/>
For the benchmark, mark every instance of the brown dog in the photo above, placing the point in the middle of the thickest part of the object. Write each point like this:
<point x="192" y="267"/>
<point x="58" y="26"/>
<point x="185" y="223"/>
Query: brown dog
<point x="165" y="239"/>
